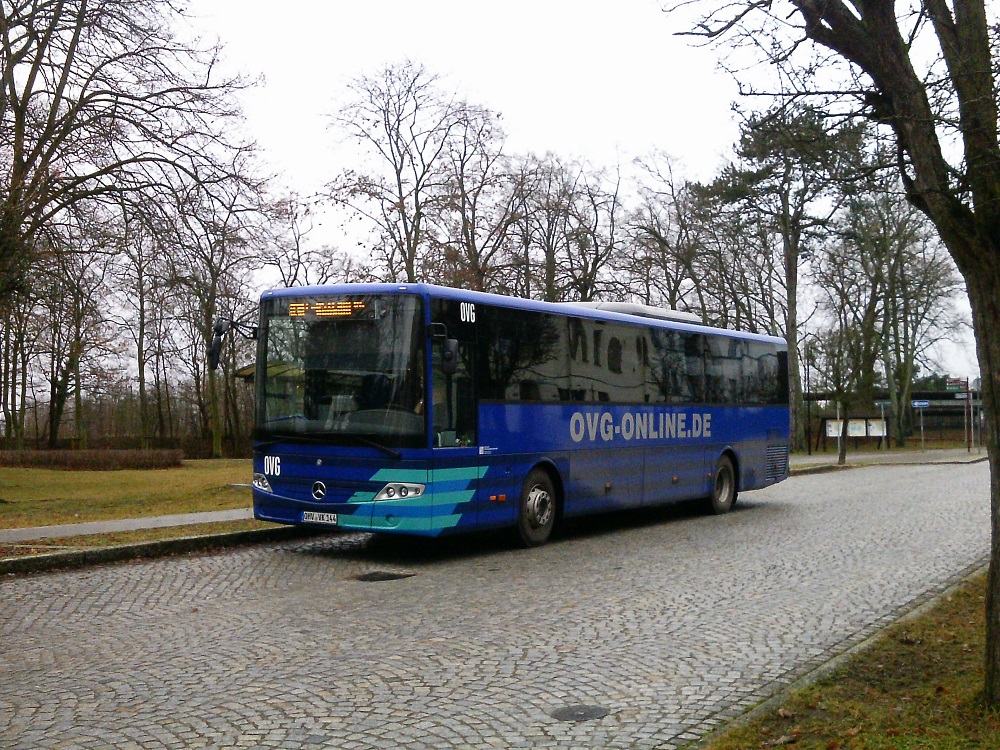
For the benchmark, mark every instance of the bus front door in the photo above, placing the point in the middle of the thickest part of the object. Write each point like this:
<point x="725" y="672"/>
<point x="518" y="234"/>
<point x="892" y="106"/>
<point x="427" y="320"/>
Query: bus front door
<point x="456" y="466"/>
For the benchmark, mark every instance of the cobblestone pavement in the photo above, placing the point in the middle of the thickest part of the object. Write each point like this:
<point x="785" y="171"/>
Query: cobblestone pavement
<point x="670" y="622"/>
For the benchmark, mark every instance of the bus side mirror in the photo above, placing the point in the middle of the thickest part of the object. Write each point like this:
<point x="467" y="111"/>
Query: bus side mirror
<point x="449" y="348"/>
<point x="214" y="351"/>
<point x="449" y="356"/>
<point x="220" y="328"/>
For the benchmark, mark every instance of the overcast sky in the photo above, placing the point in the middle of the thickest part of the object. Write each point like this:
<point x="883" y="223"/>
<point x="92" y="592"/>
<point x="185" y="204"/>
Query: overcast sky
<point x="606" y="81"/>
<point x="599" y="80"/>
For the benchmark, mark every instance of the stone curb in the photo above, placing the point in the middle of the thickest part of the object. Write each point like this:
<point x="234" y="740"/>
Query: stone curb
<point x="147" y="550"/>
<point x="820" y="469"/>
<point x="826" y="468"/>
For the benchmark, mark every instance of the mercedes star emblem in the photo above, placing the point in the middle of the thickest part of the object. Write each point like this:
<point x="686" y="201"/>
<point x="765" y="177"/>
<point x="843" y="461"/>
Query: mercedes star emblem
<point x="319" y="490"/>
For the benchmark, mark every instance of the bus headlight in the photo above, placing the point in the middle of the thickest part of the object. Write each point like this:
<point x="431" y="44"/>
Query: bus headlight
<point x="400" y="491"/>
<point x="261" y="483"/>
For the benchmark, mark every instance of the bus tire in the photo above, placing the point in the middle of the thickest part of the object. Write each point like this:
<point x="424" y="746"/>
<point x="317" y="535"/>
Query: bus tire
<point x="723" y="496"/>
<point x="536" y="512"/>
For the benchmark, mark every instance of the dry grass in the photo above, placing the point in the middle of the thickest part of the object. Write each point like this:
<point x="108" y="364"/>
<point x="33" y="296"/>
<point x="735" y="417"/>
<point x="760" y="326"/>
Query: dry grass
<point x="42" y="497"/>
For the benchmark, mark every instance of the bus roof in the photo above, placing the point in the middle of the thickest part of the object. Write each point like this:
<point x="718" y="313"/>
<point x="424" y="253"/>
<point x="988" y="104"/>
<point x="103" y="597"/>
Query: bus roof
<point x="622" y="311"/>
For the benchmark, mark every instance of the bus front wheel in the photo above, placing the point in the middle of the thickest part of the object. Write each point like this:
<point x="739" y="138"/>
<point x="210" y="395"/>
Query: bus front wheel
<point x="723" y="495"/>
<point x="536" y="514"/>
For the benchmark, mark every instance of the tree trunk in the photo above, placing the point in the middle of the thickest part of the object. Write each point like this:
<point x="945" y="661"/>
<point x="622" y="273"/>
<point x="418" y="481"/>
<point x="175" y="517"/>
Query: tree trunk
<point x="8" y="378"/>
<point x="214" y="413"/>
<point x="141" y="360"/>
<point x="22" y="411"/>
<point x="797" y="426"/>
<point x="79" y="424"/>
<point x="58" y="395"/>
<point x="986" y="315"/>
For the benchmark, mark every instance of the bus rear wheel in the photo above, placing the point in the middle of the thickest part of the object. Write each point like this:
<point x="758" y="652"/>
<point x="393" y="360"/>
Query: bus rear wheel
<point x="723" y="495"/>
<point x="536" y="513"/>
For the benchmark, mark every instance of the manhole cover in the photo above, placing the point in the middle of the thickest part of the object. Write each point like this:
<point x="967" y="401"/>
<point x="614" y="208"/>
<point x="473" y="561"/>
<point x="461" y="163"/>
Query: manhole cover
<point x="381" y="575"/>
<point x="579" y="713"/>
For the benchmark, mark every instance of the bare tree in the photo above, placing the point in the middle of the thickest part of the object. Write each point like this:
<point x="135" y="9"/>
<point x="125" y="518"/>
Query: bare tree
<point x="474" y="225"/>
<point x="852" y="284"/>
<point x="666" y="241"/>
<point x="707" y="253"/>
<point x="789" y="162"/>
<point x="548" y="191"/>
<point x="99" y="98"/>
<point x="596" y="235"/>
<point x="404" y="119"/>
<point x="73" y="289"/>
<point x="524" y="174"/>
<point x="217" y="226"/>
<point x="739" y="265"/>
<point x="927" y="73"/>
<point x="141" y="265"/>
<point x="901" y="283"/>
<point x="21" y="334"/>
<point x="289" y="252"/>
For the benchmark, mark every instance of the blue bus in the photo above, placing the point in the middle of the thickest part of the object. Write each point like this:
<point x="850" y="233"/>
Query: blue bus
<point x="421" y="409"/>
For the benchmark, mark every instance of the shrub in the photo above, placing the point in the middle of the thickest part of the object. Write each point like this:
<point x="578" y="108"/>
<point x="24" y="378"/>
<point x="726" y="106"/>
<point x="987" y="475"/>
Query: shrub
<point x="93" y="460"/>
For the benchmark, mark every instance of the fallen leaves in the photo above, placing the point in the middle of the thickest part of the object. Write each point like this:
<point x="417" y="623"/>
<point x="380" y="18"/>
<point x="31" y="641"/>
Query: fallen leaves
<point x="785" y="739"/>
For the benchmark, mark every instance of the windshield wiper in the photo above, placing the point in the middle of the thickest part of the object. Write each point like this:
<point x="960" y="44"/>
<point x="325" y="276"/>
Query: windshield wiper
<point x="290" y="438"/>
<point x="391" y="452"/>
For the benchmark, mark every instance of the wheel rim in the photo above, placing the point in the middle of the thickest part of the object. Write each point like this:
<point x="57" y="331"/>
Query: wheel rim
<point x="723" y="485"/>
<point x="538" y="507"/>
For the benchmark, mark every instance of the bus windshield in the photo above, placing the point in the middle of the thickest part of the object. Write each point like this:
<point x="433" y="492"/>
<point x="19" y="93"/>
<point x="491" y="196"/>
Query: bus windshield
<point x="342" y="370"/>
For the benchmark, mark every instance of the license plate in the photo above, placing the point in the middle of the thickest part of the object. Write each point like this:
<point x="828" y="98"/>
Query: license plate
<point x="309" y="516"/>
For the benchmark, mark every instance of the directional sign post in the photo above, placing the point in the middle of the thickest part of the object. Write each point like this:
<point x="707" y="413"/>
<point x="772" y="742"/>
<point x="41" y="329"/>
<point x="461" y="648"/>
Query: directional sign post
<point x="920" y="405"/>
<point x="885" y="439"/>
<point x="957" y="384"/>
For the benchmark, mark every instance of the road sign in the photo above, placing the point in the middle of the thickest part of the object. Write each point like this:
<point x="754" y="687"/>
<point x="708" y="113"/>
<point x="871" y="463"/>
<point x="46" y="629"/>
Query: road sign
<point x="920" y="404"/>
<point x="956" y="384"/>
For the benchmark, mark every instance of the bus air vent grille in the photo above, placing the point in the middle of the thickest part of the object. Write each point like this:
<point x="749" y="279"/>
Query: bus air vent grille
<point x="777" y="462"/>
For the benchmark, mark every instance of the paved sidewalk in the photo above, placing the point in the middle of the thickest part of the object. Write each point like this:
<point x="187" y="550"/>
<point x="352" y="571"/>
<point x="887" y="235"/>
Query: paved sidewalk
<point x="799" y="463"/>
<point x="122" y="524"/>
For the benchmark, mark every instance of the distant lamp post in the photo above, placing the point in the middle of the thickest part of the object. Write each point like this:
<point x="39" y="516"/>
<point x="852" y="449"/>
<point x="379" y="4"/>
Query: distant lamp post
<point x="808" y="396"/>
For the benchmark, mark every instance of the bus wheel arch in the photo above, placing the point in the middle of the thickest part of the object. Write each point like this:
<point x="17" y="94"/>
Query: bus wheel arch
<point x="725" y="484"/>
<point x="539" y="505"/>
